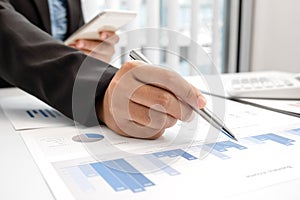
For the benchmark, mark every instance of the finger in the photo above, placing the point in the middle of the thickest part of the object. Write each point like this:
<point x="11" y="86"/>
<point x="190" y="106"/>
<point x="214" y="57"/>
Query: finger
<point x="72" y="45"/>
<point x="149" y="95"/>
<point x="93" y="54"/>
<point x="171" y="81"/>
<point x="133" y="129"/>
<point x="109" y="37"/>
<point x="149" y="117"/>
<point x="105" y="58"/>
<point x="104" y="49"/>
<point x="106" y="34"/>
<point x="86" y="44"/>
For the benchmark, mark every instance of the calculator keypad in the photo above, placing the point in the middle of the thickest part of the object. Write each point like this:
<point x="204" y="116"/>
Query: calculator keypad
<point x="259" y="83"/>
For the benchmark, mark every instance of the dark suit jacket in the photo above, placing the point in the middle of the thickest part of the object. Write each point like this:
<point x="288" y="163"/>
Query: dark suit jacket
<point x="35" y="62"/>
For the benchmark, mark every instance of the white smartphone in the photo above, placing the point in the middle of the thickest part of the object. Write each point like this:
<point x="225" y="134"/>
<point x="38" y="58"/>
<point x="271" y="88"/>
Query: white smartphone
<point x="107" y="20"/>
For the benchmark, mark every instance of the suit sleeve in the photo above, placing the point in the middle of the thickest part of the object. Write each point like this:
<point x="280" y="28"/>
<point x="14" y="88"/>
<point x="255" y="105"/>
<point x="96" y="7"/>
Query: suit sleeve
<point x="35" y="62"/>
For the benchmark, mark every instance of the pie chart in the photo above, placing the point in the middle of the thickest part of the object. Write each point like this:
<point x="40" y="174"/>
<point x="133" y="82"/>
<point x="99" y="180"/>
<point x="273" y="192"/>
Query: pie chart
<point x="88" y="137"/>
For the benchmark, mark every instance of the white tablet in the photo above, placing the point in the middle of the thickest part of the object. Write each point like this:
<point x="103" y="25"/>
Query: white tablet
<point x="108" y="20"/>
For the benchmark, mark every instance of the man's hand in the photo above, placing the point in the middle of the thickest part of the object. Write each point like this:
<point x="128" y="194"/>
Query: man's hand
<point x="142" y="101"/>
<point x="102" y="49"/>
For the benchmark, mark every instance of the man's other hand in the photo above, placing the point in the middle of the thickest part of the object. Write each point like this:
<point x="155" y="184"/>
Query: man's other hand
<point x="102" y="49"/>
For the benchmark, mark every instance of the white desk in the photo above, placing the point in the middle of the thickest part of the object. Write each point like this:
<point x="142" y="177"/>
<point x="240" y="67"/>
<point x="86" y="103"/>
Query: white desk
<point x="21" y="179"/>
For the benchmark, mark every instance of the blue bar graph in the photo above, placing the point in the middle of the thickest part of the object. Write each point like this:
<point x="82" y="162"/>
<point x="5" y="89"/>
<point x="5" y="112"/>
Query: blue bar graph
<point x="121" y="174"/>
<point x="138" y="176"/>
<point x="208" y="149"/>
<point x="185" y="155"/>
<point x="124" y="177"/>
<point x="295" y="131"/>
<point x="160" y="154"/>
<point x="109" y="177"/>
<point x="174" y="153"/>
<point x="43" y="113"/>
<point x="88" y="171"/>
<point x="161" y="165"/>
<point x="29" y="113"/>
<point x="223" y="146"/>
<point x="275" y="138"/>
<point x="80" y="179"/>
<point x="46" y="113"/>
<point x="50" y="113"/>
<point x="219" y="155"/>
<point x="171" y="153"/>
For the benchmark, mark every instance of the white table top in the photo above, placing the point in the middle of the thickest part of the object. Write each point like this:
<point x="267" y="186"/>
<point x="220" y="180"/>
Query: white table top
<point x="21" y="178"/>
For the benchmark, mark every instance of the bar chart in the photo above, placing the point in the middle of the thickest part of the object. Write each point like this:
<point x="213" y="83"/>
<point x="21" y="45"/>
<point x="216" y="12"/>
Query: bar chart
<point x="275" y="138"/>
<point x="128" y="174"/>
<point x="45" y="113"/>
<point x="121" y="175"/>
<point x="28" y="112"/>
<point x="219" y="149"/>
<point x="294" y="131"/>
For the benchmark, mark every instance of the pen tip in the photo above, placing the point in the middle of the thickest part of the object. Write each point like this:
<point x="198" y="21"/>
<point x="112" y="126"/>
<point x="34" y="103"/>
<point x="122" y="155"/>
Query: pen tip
<point x="229" y="134"/>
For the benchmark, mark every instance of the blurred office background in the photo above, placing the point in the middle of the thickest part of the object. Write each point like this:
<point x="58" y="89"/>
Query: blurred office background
<point x="238" y="35"/>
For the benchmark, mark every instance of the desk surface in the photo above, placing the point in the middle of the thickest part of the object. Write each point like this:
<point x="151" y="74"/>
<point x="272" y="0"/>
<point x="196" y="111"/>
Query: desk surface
<point x="21" y="178"/>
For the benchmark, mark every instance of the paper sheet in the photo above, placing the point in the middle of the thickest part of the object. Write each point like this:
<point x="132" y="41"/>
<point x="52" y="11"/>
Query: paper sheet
<point x="266" y="154"/>
<point x="28" y="112"/>
<point x="285" y="106"/>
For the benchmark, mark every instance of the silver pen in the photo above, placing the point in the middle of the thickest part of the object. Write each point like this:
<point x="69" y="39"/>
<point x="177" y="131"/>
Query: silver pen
<point x="204" y="112"/>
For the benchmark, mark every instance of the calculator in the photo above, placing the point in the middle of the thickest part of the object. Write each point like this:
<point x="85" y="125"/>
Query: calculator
<point x="265" y="85"/>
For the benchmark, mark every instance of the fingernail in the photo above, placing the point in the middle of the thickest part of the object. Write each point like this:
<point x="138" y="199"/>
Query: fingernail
<point x="103" y="36"/>
<point x="80" y="44"/>
<point x="201" y="101"/>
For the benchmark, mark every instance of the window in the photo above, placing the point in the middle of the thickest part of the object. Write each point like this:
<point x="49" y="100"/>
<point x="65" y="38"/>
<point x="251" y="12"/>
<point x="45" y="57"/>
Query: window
<point x="203" y="21"/>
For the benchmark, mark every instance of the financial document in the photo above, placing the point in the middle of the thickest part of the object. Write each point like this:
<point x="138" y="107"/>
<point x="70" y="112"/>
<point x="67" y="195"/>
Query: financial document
<point x="81" y="163"/>
<point x="290" y="107"/>
<point x="28" y="112"/>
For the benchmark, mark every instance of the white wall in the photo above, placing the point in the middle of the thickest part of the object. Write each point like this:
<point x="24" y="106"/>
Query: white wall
<point x="276" y="35"/>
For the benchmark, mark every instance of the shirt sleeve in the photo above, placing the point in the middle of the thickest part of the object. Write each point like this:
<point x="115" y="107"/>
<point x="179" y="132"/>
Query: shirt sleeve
<point x="44" y="67"/>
